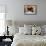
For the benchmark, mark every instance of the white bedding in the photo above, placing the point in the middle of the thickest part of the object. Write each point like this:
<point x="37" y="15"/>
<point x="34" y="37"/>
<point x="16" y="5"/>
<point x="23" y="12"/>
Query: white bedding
<point x="29" y="40"/>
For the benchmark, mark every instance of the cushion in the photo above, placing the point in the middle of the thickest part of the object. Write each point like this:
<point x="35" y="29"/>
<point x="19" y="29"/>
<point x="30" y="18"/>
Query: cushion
<point x="44" y="29"/>
<point x="28" y="31"/>
<point x="13" y="30"/>
<point x="28" y="26"/>
<point x="24" y="30"/>
<point x="36" y="30"/>
<point x="21" y="30"/>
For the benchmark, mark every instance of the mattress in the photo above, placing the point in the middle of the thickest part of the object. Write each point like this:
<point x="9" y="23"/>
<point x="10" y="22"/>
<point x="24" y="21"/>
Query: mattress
<point x="28" y="40"/>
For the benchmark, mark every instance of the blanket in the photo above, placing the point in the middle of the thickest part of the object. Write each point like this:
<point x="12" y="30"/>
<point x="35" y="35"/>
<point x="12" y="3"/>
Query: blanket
<point x="29" y="40"/>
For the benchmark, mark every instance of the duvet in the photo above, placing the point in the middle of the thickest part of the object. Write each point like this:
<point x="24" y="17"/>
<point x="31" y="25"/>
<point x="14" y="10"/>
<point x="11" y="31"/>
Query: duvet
<point x="29" y="40"/>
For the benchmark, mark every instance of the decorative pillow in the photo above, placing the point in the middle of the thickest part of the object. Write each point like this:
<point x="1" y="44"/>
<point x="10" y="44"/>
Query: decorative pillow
<point x="23" y="30"/>
<point x="36" y="30"/>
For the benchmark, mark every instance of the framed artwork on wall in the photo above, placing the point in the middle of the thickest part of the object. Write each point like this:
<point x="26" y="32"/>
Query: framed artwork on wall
<point x="30" y="9"/>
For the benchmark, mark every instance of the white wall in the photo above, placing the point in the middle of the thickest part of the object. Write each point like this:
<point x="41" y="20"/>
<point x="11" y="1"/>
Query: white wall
<point x="15" y="9"/>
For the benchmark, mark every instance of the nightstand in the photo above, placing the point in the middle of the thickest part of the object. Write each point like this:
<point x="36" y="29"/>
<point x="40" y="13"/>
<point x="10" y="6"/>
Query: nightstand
<point x="4" y="42"/>
<point x="7" y="40"/>
<point x="7" y="43"/>
<point x="11" y="37"/>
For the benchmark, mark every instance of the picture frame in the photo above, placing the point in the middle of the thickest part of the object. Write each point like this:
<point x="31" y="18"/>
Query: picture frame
<point x="30" y="9"/>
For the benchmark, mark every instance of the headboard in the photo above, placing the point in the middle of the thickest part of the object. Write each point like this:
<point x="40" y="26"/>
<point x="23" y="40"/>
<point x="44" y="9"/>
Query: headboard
<point x="21" y="23"/>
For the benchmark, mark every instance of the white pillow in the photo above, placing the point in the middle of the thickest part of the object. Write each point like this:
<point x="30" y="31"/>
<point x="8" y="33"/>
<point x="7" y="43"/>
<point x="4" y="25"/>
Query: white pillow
<point x="28" y="26"/>
<point x="44" y="27"/>
<point x="36" y="30"/>
<point x="24" y="30"/>
<point x="42" y="30"/>
<point x="13" y="30"/>
<point x="28" y="31"/>
<point x="21" y="30"/>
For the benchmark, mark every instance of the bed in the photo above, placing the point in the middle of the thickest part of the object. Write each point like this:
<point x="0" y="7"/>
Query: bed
<point x="29" y="40"/>
<point x="25" y="39"/>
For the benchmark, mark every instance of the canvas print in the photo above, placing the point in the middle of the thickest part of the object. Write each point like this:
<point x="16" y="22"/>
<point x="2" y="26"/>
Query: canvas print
<point x="30" y="9"/>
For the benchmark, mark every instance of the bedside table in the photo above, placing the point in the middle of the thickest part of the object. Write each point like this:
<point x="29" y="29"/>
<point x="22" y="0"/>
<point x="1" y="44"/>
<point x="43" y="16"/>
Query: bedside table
<point x="4" y="42"/>
<point x="7" y="43"/>
<point x="4" y="37"/>
<point x="7" y="40"/>
<point x="11" y="37"/>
